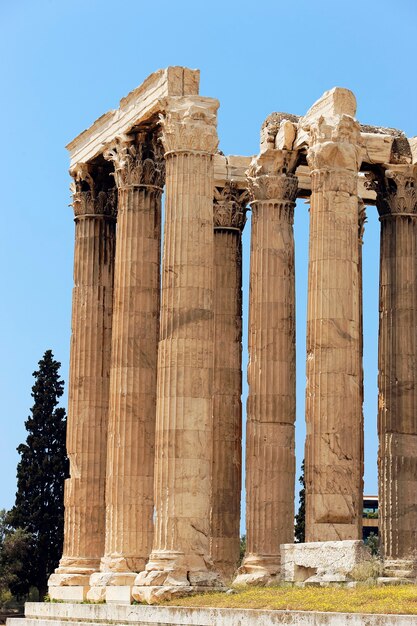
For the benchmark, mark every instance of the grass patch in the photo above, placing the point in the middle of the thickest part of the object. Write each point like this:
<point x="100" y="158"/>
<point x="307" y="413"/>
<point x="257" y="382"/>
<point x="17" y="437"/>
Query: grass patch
<point x="398" y="599"/>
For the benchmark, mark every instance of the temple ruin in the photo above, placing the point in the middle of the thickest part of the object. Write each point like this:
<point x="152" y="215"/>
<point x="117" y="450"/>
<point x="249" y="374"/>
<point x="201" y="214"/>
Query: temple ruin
<point x="152" y="505"/>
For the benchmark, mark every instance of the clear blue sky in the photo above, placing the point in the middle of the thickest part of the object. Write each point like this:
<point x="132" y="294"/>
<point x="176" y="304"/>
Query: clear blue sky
<point x="65" y="63"/>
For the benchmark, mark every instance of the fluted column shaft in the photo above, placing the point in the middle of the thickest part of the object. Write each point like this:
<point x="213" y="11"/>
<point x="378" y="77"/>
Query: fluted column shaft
<point x="397" y="379"/>
<point x="270" y="455"/>
<point x="229" y="219"/>
<point x="361" y="230"/>
<point x="88" y="389"/>
<point x="333" y="462"/>
<point x="132" y="403"/>
<point x="185" y="353"/>
<point x="185" y="365"/>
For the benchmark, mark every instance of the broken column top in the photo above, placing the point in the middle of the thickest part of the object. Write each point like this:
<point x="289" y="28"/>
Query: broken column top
<point x="333" y="103"/>
<point x="380" y="145"/>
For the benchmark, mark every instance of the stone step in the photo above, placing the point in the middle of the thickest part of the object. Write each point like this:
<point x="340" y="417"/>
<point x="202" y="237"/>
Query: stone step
<point x="64" y="614"/>
<point x="394" y="580"/>
<point x="399" y="573"/>
<point x="395" y="565"/>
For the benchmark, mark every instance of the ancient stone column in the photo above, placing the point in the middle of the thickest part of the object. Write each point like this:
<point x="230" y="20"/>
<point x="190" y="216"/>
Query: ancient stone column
<point x="229" y="220"/>
<point x="361" y="230"/>
<point x="138" y="164"/>
<point x="270" y="456"/>
<point x="181" y="547"/>
<point x="397" y="380"/>
<point x="88" y="391"/>
<point x="333" y="461"/>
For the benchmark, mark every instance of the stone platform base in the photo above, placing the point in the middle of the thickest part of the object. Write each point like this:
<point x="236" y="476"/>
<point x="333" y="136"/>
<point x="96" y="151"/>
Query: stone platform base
<point x="50" y="614"/>
<point x="322" y="562"/>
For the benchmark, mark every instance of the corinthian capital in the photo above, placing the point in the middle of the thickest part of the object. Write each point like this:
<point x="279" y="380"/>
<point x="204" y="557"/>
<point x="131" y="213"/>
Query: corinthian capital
<point x="270" y="176"/>
<point x="335" y="143"/>
<point x="89" y="196"/>
<point x="229" y="209"/>
<point x="138" y="160"/>
<point x="189" y="124"/>
<point x="396" y="189"/>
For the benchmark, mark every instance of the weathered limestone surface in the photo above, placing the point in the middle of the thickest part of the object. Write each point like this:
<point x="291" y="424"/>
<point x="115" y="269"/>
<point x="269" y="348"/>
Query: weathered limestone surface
<point x="396" y="189"/>
<point x="95" y="211"/>
<point x="183" y="463"/>
<point x="361" y="231"/>
<point x="229" y="220"/>
<point x="138" y="166"/>
<point x="40" y="613"/>
<point x="270" y="459"/>
<point x="333" y="458"/>
<point x="321" y="561"/>
<point x="117" y="399"/>
<point x="139" y="107"/>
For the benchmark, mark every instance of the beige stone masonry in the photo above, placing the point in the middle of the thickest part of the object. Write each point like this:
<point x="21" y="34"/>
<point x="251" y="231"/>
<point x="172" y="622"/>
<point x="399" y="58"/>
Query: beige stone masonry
<point x="361" y="230"/>
<point x="322" y="562"/>
<point x="270" y="457"/>
<point x="333" y="457"/>
<point x="229" y="220"/>
<point x="58" y="614"/>
<point x="396" y="189"/>
<point x="139" y="174"/>
<point x="154" y="418"/>
<point x="413" y="146"/>
<point x="140" y="106"/>
<point x="94" y="206"/>
<point x="183" y="462"/>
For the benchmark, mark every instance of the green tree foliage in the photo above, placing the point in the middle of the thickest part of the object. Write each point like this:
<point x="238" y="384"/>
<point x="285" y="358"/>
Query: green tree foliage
<point x="300" y="518"/>
<point x="373" y="543"/>
<point x="15" y="546"/>
<point x="14" y="561"/>
<point x="242" y="549"/>
<point x="5" y="594"/>
<point x="3" y="526"/>
<point x="39" y="505"/>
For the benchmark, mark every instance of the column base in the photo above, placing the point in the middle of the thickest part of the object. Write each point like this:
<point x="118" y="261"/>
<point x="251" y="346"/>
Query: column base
<point x="68" y="587"/>
<point x="122" y="564"/>
<point x="71" y="580"/>
<point x="111" y="587"/>
<point x="172" y="574"/>
<point x="259" y="570"/>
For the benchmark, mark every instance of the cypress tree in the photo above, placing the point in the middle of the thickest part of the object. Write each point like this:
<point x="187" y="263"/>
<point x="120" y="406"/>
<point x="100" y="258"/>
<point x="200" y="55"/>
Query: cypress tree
<point x="300" y="518"/>
<point x="39" y="504"/>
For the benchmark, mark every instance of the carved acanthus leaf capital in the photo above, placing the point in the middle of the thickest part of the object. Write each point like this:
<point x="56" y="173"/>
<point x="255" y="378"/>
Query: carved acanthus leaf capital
<point x="335" y="143"/>
<point x="87" y="196"/>
<point x="189" y="124"/>
<point x="138" y="160"/>
<point x="229" y="208"/>
<point x="270" y="176"/>
<point x="396" y="189"/>
<point x="82" y="178"/>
